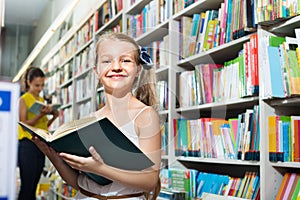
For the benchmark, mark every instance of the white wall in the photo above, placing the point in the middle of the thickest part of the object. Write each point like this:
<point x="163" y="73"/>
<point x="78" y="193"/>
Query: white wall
<point x="14" y="50"/>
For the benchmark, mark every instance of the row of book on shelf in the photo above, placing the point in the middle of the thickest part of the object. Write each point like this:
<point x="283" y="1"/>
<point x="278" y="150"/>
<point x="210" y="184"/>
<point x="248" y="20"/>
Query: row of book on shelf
<point x="233" y="19"/>
<point x="263" y="15"/>
<point x="209" y="82"/>
<point x="192" y="184"/>
<point x="151" y="15"/>
<point x="217" y="82"/>
<point x="233" y="138"/>
<point x="214" y="27"/>
<point x="159" y="51"/>
<point x="107" y="11"/>
<point x="281" y="65"/>
<point x="284" y="138"/>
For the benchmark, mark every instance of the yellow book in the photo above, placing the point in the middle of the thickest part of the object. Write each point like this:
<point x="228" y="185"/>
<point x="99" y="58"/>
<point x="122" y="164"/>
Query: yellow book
<point x="243" y="185"/>
<point x="248" y="186"/>
<point x="272" y="137"/>
<point x="248" y="193"/>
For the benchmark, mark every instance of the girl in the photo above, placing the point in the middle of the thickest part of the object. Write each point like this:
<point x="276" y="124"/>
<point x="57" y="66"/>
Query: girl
<point x="119" y="63"/>
<point x="30" y="159"/>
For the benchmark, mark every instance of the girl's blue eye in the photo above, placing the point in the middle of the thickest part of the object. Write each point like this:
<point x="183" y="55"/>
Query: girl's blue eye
<point x="126" y="60"/>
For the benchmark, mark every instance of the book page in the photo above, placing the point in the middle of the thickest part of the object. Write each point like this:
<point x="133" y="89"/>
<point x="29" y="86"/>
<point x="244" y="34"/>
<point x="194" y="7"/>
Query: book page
<point x="72" y="126"/>
<point x="43" y="133"/>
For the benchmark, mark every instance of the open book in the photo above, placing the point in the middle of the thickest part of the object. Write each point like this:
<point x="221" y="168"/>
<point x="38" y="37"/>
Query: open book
<point x="37" y="106"/>
<point x="77" y="136"/>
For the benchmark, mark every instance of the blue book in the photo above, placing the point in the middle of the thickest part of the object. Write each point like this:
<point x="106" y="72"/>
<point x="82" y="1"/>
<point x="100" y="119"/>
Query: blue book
<point x="209" y="182"/>
<point x="229" y="19"/>
<point x="218" y="183"/>
<point x="193" y="35"/>
<point x="36" y="107"/>
<point x="285" y="140"/>
<point x="182" y="131"/>
<point x="276" y="74"/>
<point x="200" y="181"/>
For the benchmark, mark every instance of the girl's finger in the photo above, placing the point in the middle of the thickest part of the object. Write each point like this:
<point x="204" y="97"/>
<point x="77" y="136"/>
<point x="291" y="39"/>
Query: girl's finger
<point x="95" y="154"/>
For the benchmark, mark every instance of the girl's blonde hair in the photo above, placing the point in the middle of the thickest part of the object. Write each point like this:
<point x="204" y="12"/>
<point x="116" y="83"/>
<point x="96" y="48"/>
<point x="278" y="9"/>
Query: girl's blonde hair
<point x="145" y="85"/>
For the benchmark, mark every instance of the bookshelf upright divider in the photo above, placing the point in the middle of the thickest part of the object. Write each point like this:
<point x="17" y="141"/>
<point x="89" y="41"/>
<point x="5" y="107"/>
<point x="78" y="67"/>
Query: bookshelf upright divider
<point x="165" y="28"/>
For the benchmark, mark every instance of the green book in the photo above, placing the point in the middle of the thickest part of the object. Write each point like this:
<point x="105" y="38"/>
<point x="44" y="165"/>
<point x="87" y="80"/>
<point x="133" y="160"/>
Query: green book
<point x="78" y="136"/>
<point x="275" y="41"/>
<point x="296" y="191"/>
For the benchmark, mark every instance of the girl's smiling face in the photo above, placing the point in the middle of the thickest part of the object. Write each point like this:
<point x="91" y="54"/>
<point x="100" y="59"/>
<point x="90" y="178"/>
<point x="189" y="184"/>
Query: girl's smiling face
<point x="116" y="67"/>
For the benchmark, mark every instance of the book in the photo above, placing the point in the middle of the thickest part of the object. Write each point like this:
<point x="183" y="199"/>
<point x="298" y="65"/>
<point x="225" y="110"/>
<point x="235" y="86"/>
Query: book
<point x="289" y="185"/>
<point x="38" y="105"/>
<point x="77" y="136"/>
<point x="293" y="187"/>
<point x="296" y="191"/>
<point x="276" y="72"/>
<point x="283" y="186"/>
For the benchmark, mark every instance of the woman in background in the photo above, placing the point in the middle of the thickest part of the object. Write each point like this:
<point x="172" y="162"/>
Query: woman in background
<point x="30" y="159"/>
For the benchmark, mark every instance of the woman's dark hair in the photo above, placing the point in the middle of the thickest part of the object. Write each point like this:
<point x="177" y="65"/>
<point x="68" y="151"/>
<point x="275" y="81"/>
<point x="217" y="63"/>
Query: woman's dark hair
<point x="29" y="75"/>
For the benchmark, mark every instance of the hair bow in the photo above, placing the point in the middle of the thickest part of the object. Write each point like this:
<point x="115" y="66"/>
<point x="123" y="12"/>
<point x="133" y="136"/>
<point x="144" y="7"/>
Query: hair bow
<point x="146" y="60"/>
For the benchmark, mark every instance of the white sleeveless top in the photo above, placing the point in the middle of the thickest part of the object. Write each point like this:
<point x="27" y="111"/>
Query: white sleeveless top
<point x="113" y="188"/>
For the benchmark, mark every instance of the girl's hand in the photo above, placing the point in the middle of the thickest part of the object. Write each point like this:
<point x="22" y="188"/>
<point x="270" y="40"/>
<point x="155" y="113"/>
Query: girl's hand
<point x="55" y="114"/>
<point x="44" y="147"/>
<point x="89" y="164"/>
<point x="46" y="110"/>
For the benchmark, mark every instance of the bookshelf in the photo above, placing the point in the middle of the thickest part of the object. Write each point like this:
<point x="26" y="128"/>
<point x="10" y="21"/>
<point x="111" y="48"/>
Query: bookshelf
<point x="69" y="64"/>
<point x="275" y="171"/>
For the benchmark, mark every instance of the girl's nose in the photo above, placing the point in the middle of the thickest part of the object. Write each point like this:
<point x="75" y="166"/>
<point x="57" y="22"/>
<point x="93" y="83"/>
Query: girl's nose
<point x="115" y="65"/>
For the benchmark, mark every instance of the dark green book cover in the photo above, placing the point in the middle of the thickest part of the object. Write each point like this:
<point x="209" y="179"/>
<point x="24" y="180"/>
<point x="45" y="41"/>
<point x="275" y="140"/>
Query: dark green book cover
<point x="114" y="147"/>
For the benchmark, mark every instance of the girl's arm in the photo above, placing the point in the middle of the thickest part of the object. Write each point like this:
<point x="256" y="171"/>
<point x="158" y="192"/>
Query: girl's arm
<point x="67" y="173"/>
<point x="150" y="144"/>
<point x="55" y="115"/>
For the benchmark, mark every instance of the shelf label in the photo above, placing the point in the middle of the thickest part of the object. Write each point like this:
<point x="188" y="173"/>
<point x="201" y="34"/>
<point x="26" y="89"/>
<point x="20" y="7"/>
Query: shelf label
<point x="9" y="95"/>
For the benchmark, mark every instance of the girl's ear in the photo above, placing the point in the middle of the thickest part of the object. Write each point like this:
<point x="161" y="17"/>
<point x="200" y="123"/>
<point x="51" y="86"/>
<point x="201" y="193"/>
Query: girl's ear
<point x="139" y="68"/>
<point x="28" y="83"/>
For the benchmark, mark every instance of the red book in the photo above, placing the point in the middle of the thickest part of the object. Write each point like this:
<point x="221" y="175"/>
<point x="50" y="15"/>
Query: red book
<point x="96" y="20"/>
<point x="295" y="120"/>
<point x="254" y="63"/>
<point x="207" y="74"/>
<point x="232" y="188"/>
<point x="205" y="140"/>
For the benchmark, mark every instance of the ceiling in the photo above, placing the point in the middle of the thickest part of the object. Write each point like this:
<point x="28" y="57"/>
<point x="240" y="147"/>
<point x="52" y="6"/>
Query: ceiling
<point x="23" y="12"/>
